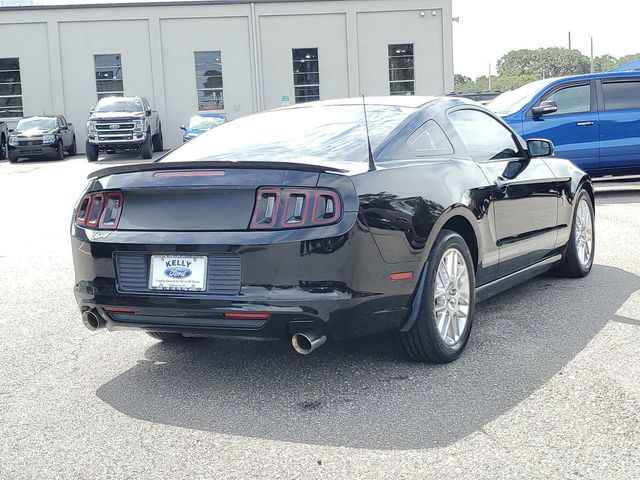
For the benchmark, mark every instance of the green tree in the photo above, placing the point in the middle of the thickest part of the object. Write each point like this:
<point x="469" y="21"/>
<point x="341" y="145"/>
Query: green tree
<point x="548" y="62"/>
<point x="604" y="63"/>
<point x="462" y="83"/>
<point x="626" y="59"/>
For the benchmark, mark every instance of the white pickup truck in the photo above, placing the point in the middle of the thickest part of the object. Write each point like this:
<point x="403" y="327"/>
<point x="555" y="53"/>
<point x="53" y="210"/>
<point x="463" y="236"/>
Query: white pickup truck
<point x="123" y="123"/>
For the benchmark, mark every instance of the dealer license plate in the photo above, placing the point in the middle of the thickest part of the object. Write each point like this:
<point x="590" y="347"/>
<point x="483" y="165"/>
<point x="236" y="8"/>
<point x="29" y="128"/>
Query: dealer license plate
<point x="178" y="272"/>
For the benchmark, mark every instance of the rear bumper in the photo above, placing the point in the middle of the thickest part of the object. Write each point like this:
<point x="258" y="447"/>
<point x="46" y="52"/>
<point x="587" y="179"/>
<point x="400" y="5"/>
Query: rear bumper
<point x="340" y="285"/>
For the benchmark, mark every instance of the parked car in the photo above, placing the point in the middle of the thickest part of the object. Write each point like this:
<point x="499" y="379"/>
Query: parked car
<point x="123" y="123"/>
<point x="200" y="123"/>
<point x="4" y="140"/>
<point x="284" y="224"/>
<point x="593" y="120"/>
<point x="48" y="135"/>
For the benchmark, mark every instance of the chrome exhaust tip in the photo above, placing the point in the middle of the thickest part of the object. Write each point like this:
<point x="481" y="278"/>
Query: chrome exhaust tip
<point x="306" y="342"/>
<point x="92" y="320"/>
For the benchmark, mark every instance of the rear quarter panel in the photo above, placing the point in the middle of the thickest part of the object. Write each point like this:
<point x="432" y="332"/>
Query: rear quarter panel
<point x="407" y="205"/>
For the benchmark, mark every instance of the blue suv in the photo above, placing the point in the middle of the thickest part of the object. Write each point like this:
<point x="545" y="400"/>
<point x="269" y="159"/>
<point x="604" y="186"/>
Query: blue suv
<point x="593" y="120"/>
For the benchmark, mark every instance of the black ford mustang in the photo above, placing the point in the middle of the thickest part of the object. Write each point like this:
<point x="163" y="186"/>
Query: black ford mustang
<point x="284" y="224"/>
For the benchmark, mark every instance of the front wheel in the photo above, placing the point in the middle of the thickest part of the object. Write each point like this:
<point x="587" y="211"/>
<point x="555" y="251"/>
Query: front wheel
<point x="146" y="148"/>
<point x="73" y="149"/>
<point x="59" y="155"/>
<point x="578" y="256"/>
<point x="173" y="337"/>
<point x="447" y="305"/>
<point x="13" y="156"/>
<point x="158" y="143"/>
<point x="92" y="152"/>
<point x="3" y="148"/>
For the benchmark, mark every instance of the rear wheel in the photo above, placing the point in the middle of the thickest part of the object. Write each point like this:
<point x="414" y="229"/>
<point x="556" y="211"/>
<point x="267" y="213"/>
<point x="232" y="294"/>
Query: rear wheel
<point x="92" y="152"/>
<point x="73" y="149"/>
<point x="146" y="148"/>
<point x="578" y="257"/>
<point x="447" y="307"/>
<point x="158" y="143"/>
<point x="173" y="337"/>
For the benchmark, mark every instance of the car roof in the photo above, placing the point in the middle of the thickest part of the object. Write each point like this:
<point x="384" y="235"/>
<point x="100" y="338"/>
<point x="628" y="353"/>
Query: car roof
<point x="410" y="101"/>
<point x="39" y="116"/>
<point x="589" y="76"/>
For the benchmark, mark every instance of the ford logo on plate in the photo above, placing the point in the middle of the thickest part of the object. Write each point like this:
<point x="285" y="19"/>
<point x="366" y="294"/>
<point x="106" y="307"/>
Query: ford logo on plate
<point x="177" y="272"/>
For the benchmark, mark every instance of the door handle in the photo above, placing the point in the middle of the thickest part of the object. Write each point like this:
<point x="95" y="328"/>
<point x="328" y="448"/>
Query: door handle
<point x="584" y="124"/>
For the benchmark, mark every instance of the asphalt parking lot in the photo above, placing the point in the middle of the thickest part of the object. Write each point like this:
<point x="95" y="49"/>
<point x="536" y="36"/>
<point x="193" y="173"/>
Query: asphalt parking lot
<point x="548" y="387"/>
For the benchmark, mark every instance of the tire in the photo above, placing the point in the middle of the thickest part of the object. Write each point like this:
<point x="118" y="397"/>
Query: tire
<point x="73" y="149"/>
<point x="13" y="157"/>
<point x="158" y="143"/>
<point x="3" y="148"/>
<point x="424" y="341"/>
<point x="146" y="148"/>
<point x="59" y="155"/>
<point x="92" y="152"/>
<point x="575" y="264"/>
<point x="173" y="337"/>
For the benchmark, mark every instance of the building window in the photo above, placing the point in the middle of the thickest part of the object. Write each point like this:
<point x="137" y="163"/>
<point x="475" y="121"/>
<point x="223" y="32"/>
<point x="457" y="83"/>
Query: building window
<point x="209" y="80"/>
<point x="401" y="75"/>
<point x="10" y="88"/>
<point x="109" y="75"/>
<point x="306" y="75"/>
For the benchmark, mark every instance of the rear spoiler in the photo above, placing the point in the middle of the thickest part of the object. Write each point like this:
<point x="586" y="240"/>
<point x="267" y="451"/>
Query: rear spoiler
<point x="200" y="165"/>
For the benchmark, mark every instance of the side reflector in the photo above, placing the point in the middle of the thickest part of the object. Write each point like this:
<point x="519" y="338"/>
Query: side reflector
<point x="246" y="316"/>
<point x="400" y="276"/>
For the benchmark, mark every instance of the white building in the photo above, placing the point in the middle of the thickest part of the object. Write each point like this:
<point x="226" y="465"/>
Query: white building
<point x="236" y="57"/>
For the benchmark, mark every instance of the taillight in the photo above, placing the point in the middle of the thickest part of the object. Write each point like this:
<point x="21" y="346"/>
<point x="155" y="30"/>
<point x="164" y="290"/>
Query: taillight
<point x="100" y="210"/>
<point x="278" y="208"/>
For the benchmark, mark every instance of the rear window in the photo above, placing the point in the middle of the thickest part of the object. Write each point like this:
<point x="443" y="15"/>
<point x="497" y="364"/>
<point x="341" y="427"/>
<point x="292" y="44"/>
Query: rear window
<point x="331" y="133"/>
<point x="621" y="95"/>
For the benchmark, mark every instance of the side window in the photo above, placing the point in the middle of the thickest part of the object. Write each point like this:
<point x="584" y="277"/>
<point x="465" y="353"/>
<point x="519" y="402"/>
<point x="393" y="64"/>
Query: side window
<point x="429" y="140"/>
<point x="484" y="137"/>
<point x="576" y="99"/>
<point x="621" y="95"/>
<point x="62" y="122"/>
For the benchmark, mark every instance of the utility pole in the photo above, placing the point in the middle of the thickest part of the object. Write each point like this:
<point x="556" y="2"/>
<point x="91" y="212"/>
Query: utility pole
<point x="592" y="55"/>
<point x="569" y="40"/>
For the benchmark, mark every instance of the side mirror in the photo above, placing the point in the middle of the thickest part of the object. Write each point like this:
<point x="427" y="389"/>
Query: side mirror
<point x="148" y="113"/>
<point x="182" y="127"/>
<point x="540" y="148"/>
<point x="91" y="110"/>
<point x="545" y="108"/>
<point x="11" y="130"/>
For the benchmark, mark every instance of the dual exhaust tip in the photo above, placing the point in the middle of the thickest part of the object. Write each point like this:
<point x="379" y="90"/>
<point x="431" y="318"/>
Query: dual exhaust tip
<point x="306" y="342"/>
<point x="303" y="342"/>
<point x="92" y="320"/>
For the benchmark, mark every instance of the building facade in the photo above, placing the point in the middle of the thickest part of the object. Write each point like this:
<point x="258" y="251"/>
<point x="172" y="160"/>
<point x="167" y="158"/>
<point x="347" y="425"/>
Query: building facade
<point x="233" y="57"/>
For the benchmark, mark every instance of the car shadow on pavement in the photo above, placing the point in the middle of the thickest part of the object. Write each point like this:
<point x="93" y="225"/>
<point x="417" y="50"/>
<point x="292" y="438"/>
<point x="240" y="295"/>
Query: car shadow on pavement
<point x="361" y="393"/>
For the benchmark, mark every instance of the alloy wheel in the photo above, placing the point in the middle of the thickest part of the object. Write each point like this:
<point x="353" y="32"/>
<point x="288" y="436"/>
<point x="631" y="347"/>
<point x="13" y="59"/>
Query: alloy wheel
<point x="451" y="297"/>
<point x="584" y="232"/>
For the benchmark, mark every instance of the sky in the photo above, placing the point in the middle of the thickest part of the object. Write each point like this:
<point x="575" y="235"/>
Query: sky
<point x="490" y="28"/>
